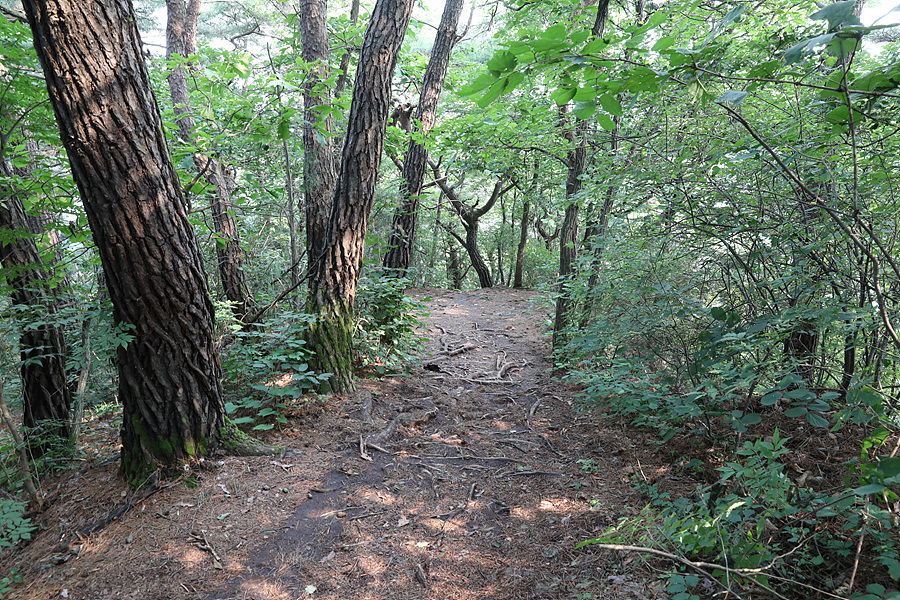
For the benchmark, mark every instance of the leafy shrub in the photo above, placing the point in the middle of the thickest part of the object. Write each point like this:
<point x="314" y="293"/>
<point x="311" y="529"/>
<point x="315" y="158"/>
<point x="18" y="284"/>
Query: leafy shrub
<point x="387" y="320"/>
<point x="14" y="527"/>
<point x="271" y="364"/>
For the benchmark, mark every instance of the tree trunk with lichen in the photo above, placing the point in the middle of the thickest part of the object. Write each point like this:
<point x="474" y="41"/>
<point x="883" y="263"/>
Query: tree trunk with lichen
<point x="333" y="289"/>
<point x="169" y="375"/>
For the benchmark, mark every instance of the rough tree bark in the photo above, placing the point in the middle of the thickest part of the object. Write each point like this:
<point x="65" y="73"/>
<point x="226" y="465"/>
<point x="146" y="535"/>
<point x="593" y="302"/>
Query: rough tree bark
<point x="43" y="350"/>
<point x="576" y="159"/>
<point x="181" y="42"/>
<point x="403" y="228"/>
<point x="333" y="288"/>
<point x="109" y="122"/>
<point x="318" y="166"/>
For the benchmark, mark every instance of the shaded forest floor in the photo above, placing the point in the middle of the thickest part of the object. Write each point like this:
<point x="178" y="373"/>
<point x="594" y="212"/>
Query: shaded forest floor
<point x="478" y="480"/>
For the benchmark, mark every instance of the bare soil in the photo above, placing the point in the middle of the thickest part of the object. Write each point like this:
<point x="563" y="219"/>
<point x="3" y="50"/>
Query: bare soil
<point x="474" y="477"/>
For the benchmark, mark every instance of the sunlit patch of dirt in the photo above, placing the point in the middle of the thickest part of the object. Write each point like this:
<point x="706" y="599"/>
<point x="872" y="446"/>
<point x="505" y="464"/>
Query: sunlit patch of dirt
<point x="460" y="481"/>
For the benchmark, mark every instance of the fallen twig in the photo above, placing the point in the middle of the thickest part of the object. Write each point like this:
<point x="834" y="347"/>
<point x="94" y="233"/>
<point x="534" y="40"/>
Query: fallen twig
<point x="420" y="575"/>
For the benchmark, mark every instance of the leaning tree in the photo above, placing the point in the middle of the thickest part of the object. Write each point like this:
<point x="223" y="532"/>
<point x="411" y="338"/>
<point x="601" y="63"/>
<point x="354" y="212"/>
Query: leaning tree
<point x="110" y="125"/>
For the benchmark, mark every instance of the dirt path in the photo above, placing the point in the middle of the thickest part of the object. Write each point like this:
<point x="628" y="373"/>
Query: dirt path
<point x="473" y="478"/>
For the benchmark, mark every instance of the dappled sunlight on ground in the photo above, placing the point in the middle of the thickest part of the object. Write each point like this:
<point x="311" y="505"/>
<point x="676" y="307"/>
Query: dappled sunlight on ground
<point x="475" y="494"/>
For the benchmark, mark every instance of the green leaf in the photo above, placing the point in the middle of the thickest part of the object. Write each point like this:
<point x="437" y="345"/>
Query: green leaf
<point x="610" y="104"/>
<point x="872" y="488"/>
<point x="797" y="411"/>
<point x="889" y="467"/>
<point x="284" y="130"/>
<point x="734" y="97"/>
<point x="837" y="14"/>
<point x="563" y="95"/>
<point x="816" y="420"/>
<point x="770" y="399"/>
<point x="513" y="81"/>
<point x="663" y="43"/>
<point x="798" y="51"/>
<point x="493" y="93"/>
<point x="263" y="427"/>
<point x="605" y="122"/>
<point x="584" y="110"/>
<point x="799" y="394"/>
<point x="656" y="19"/>
<point x="751" y="419"/>
<point x="483" y="81"/>
<point x="718" y="313"/>
<point x="502" y="62"/>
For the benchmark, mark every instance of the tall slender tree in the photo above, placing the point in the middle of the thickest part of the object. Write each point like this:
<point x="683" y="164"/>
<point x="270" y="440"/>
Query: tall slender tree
<point x="110" y="125"/>
<point x="337" y="271"/>
<point x="576" y="159"/>
<point x="181" y="42"/>
<point x="403" y="228"/>
<point x="318" y="147"/>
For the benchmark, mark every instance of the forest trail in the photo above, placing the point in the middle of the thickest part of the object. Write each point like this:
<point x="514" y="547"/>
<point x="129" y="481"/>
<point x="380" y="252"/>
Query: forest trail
<point x="472" y="478"/>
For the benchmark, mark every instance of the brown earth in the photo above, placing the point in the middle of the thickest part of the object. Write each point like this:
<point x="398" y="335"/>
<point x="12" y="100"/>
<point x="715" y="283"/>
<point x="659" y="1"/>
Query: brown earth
<point x="472" y="478"/>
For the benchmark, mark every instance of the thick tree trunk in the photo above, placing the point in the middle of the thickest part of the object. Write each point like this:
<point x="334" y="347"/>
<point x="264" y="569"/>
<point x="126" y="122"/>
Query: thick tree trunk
<point x="109" y="122"/>
<point x="568" y="236"/>
<point x="403" y="228"/>
<point x="318" y="167"/>
<point x="181" y="41"/>
<point x="333" y="289"/>
<point x="46" y="395"/>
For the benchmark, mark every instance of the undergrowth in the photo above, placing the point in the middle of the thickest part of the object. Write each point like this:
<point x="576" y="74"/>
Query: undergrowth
<point x="726" y="379"/>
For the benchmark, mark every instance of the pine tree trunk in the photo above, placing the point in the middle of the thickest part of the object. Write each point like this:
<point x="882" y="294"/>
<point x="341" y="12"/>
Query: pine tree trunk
<point x="46" y="394"/>
<point x="318" y="167"/>
<point x="333" y="289"/>
<point x="109" y="122"/>
<point x="403" y="228"/>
